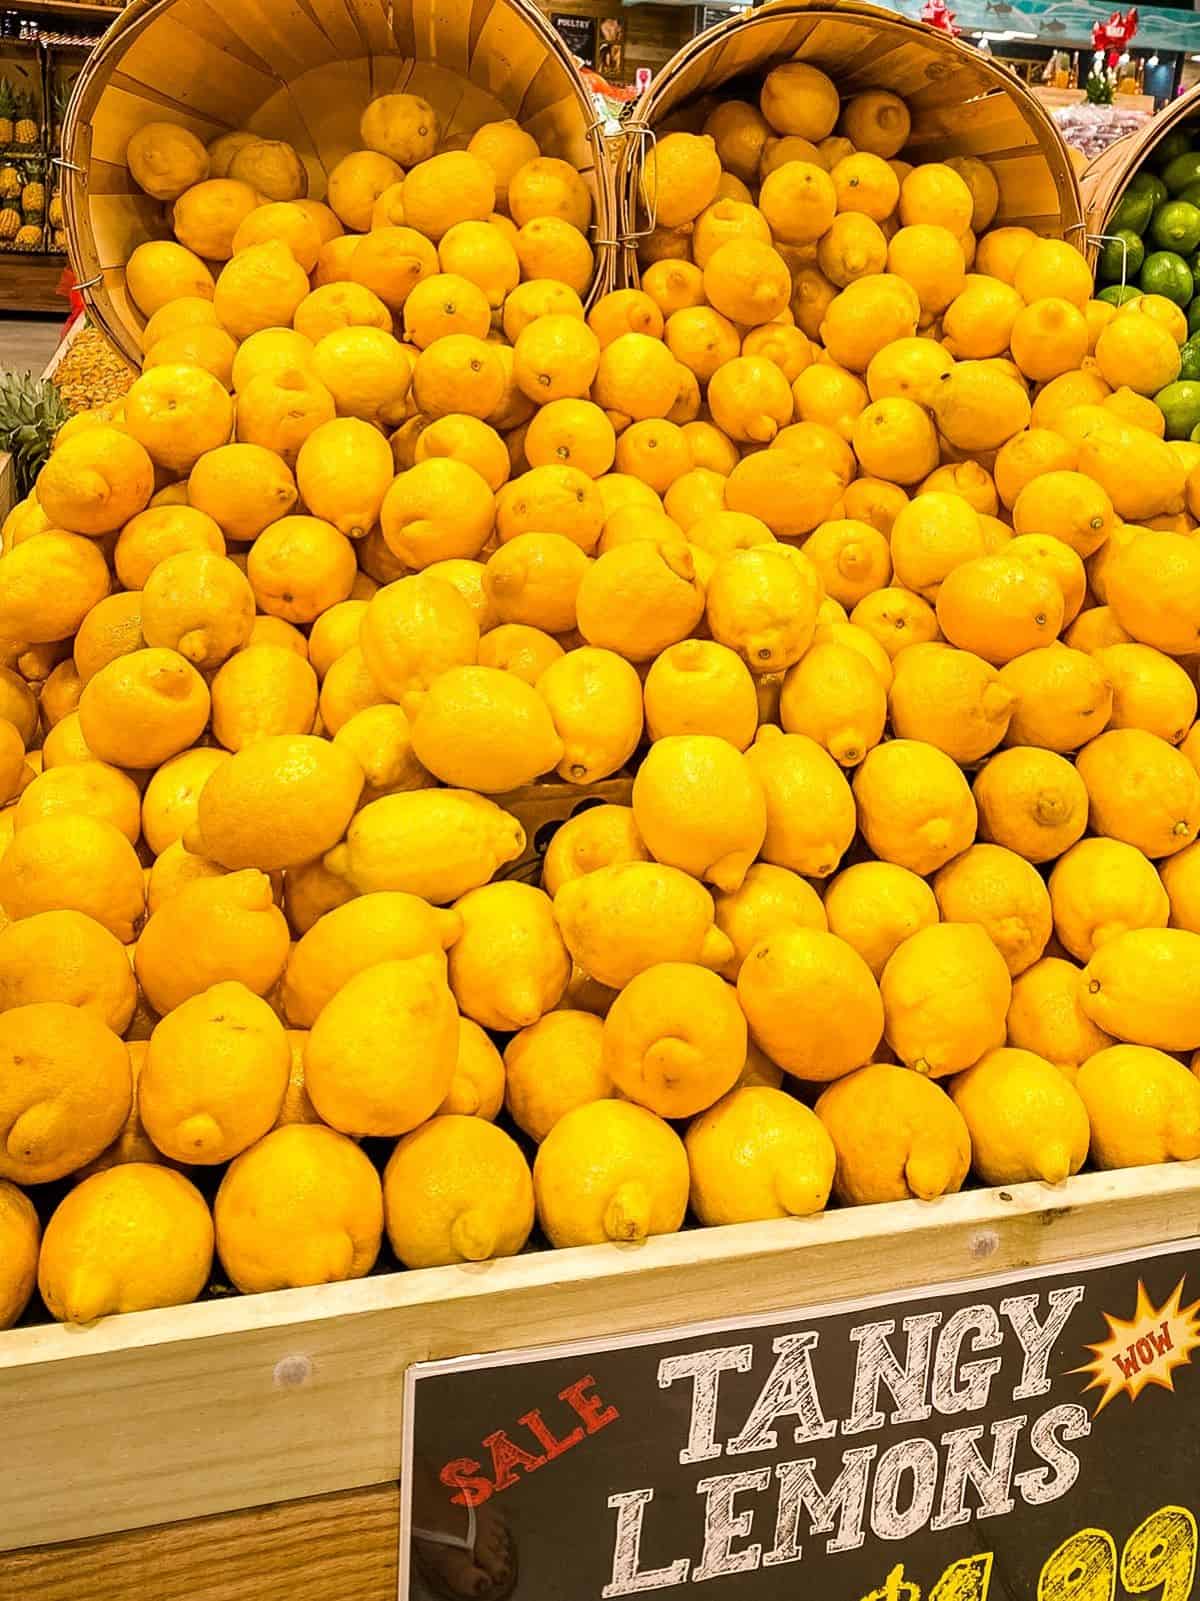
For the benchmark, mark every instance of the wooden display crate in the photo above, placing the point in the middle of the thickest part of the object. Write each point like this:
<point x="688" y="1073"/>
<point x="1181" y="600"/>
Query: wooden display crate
<point x="120" y="1437"/>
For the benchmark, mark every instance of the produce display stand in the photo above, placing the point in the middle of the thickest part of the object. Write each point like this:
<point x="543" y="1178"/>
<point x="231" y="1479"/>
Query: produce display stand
<point x="1104" y="181"/>
<point x="154" y="1420"/>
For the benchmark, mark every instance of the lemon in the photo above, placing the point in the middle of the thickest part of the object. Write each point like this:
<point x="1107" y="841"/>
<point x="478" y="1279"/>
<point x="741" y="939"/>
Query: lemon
<point x="160" y="273"/>
<point x="20" y="1232"/>
<point x="758" y="1154"/>
<point x="610" y="1170"/>
<point x="1143" y="477"/>
<point x="895" y="440"/>
<point x="261" y="691"/>
<point x="242" y="488"/>
<point x="1149" y="691"/>
<point x="213" y="931"/>
<point x="699" y="806"/>
<point x="552" y="1067"/>
<point x="1141" y="790"/>
<point x="1025" y="1119"/>
<point x="344" y="470"/>
<point x="595" y="701"/>
<point x="597" y="837"/>
<point x="550" y="248"/>
<point x="135" y="1237"/>
<point x="931" y="537"/>
<point x="381" y="1055"/>
<point x="1139" y="987"/>
<point x="509" y="965"/>
<point x="852" y="559"/>
<point x="618" y="920"/>
<point x="674" y="1040"/>
<point x="946" y="992"/>
<point x="457" y="1190"/>
<point x="414" y="630"/>
<point x="949" y="699"/>
<point x="51" y="583"/>
<point x="811" y="1002"/>
<point x="1061" y="698"/>
<point x="1031" y="801"/>
<point x="272" y="166"/>
<point x="303" y="1206"/>
<point x="477" y="1088"/>
<point x="701" y="687"/>
<point x="435" y="843"/>
<point x="214" y="1076"/>
<point x="999" y="607"/>
<point x="979" y="321"/>
<point x="73" y="863"/>
<point x="535" y="579"/>
<point x="1001" y="892"/>
<point x="747" y="281"/>
<point x="1137" y="353"/>
<point x="799" y="99"/>
<point x="914" y="806"/>
<point x="867" y="315"/>
<point x="875" y="906"/>
<point x="740" y="132"/>
<point x="1178" y="874"/>
<point x="552" y="500"/>
<point x="65" y="1090"/>
<point x="1101" y="888"/>
<point x="161" y="531"/>
<point x="88" y="789"/>
<point x="799" y="201"/>
<point x="348" y="689"/>
<point x="897" y="1136"/>
<point x="483" y="729"/>
<point x="896" y="619"/>
<point x="379" y="737"/>
<point x="762" y="603"/>
<point x="1143" y="1106"/>
<point x="66" y="957"/>
<point x="1152" y="586"/>
<point x="769" y="901"/>
<point x="834" y="696"/>
<point x="1046" y="1016"/>
<point x="809" y="807"/>
<point x="340" y="305"/>
<point x="639" y="598"/>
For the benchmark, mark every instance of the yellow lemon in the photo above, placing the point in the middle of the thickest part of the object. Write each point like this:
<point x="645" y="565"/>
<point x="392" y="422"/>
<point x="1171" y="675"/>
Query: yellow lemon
<point x="875" y="906"/>
<point x="457" y="1190"/>
<point x="595" y="701"/>
<point x="799" y="99"/>
<point x="517" y="648"/>
<point x="1067" y="506"/>
<point x="852" y="559"/>
<point x="1143" y="1106"/>
<point x="82" y="789"/>
<point x="979" y="408"/>
<point x="762" y="603"/>
<point x="931" y="536"/>
<point x="639" y="598"/>
<point x="834" y="696"/>
<point x="381" y="1055"/>
<point x="999" y="608"/>
<point x="509" y="965"/>
<point x="758" y="1154"/>
<point x="809" y="806"/>
<point x="867" y="315"/>
<point x="619" y="920"/>
<point x="1150" y="586"/>
<point x="414" y="630"/>
<point x="1050" y="267"/>
<point x="477" y="1088"/>
<point x="552" y="1067"/>
<point x="205" y="218"/>
<point x="483" y="729"/>
<point x="177" y="413"/>
<point x="610" y="1170"/>
<point x="435" y="843"/>
<point x="701" y="687"/>
<point x="161" y="273"/>
<point x="303" y="1206"/>
<point x="674" y="1040"/>
<point x="950" y="699"/>
<point x="67" y="957"/>
<point x="1140" y="988"/>
<point x="896" y="619"/>
<point x="1049" y="338"/>
<point x="402" y="126"/>
<point x="1061" y="698"/>
<point x="699" y="806"/>
<point x="242" y="488"/>
<point x="132" y="1238"/>
<point x="1101" y="888"/>
<point x="1025" y="1119"/>
<point x="65" y="1090"/>
<point x="1139" y="354"/>
<point x="261" y="287"/>
<point x="21" y="1232"/>
<point x="95" y="482"/>
<point x="914" y="806"/>
<point x="1149" y="691"/>
<point x="897" y="1136"/>
<point x="369" y="373"/>
<point x="340" y="305"/>
<point x="1031" y="801"/>
<point x="747" y="281"/>
<point x="599" y="837"/>
<point x="1141" y="790"/>
<point x="828" y="993"/>
<point x="198" y="604"/>
<point x="895" y="440"/>
<point x="1001" y="892"/>
<point x="979" y="321"/>
<point x="1046" y="1016"/>
<point x="213" y="931"/>
<point x="946" y="992"/>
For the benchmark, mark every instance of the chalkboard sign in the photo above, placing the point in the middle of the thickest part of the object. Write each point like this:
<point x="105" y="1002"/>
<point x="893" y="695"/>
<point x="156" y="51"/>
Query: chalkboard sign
<point x="1031" y="1436"/>
<point x="577" y="33"/>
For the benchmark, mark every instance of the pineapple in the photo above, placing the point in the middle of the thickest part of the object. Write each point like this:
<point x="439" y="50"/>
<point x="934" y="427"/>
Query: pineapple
<point x="57" y="220"/>
<point x="10" y="223"/>
<point x="33" y="198"/>
<point x="29" y="238"/>
<point x="25" y="130"/>
<point x="60" y="241"/>
<point x="10" y="183"/>
<point x="31" y="413"/>
<point x="8" y="111"/>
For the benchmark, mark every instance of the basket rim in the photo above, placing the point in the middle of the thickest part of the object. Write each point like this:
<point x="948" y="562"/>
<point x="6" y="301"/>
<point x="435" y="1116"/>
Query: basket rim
<point x="1110" y="168"/>
<point x="95" y="78"/>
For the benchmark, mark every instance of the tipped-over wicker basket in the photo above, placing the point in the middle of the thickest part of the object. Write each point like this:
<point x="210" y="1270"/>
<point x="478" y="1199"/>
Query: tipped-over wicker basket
<point x="1104" y="181"/>
<point x="303" y="73"/>
<point x="962" y="103"/>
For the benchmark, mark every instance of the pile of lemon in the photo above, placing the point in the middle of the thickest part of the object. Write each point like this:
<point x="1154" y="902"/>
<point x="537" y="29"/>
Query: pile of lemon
<point x="852" y="531"/>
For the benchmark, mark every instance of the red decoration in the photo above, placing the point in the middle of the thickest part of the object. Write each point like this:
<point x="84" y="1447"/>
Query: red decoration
<point x="938" y="15"/>
<point x="1113" y="37"/>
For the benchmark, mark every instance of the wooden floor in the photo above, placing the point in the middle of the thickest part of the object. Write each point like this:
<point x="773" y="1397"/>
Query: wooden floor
<point x="28" y="342"/>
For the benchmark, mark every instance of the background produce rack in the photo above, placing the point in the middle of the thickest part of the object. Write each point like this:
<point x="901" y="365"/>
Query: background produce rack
<point x="163" y="1418"/>
<point x="1105" y="180"/>
<point x="962" y="103"/>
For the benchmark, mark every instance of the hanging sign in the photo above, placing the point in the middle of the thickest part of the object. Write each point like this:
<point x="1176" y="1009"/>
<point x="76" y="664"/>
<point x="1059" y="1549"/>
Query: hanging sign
<point x="1024" y="1438"/>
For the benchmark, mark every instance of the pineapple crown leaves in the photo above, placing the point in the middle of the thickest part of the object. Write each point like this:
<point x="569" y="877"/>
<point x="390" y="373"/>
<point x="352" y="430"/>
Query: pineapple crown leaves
<point x="31" y="413"/>
<point x="8" y="100"/>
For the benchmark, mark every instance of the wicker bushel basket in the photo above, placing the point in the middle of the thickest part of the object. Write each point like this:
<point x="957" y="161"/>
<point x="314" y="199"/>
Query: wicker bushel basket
<point x="1104" y="181"/>
<point x="962" y="104"/>
<point x="303" y="73"/>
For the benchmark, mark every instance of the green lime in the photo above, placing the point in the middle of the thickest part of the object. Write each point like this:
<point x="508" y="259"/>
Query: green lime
<point x="1194" y="436"/>
<point x="1150" y="184"/>
<point x="1182" y="171"/>
<point x="1180" y="405"/>
<point x="1191" y="194"/>
<point x="1189" y="360"/>
<point x="1121" y="257"/>
<point x="1133" y="211"/>
<point x="1193" y="317"/>
<point x="1165" y="273"/>
<point x="1178" y="143"/>
<point x="1176" y="226"/>
<point x="1118" y="294"/>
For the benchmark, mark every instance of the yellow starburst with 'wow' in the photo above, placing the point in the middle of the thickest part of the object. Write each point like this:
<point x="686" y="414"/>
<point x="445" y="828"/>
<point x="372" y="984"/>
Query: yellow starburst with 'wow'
<point x="1145" y="1350"/>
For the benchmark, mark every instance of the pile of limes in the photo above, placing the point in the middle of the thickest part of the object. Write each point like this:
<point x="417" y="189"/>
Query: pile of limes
<point x="1152" y="246"/>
